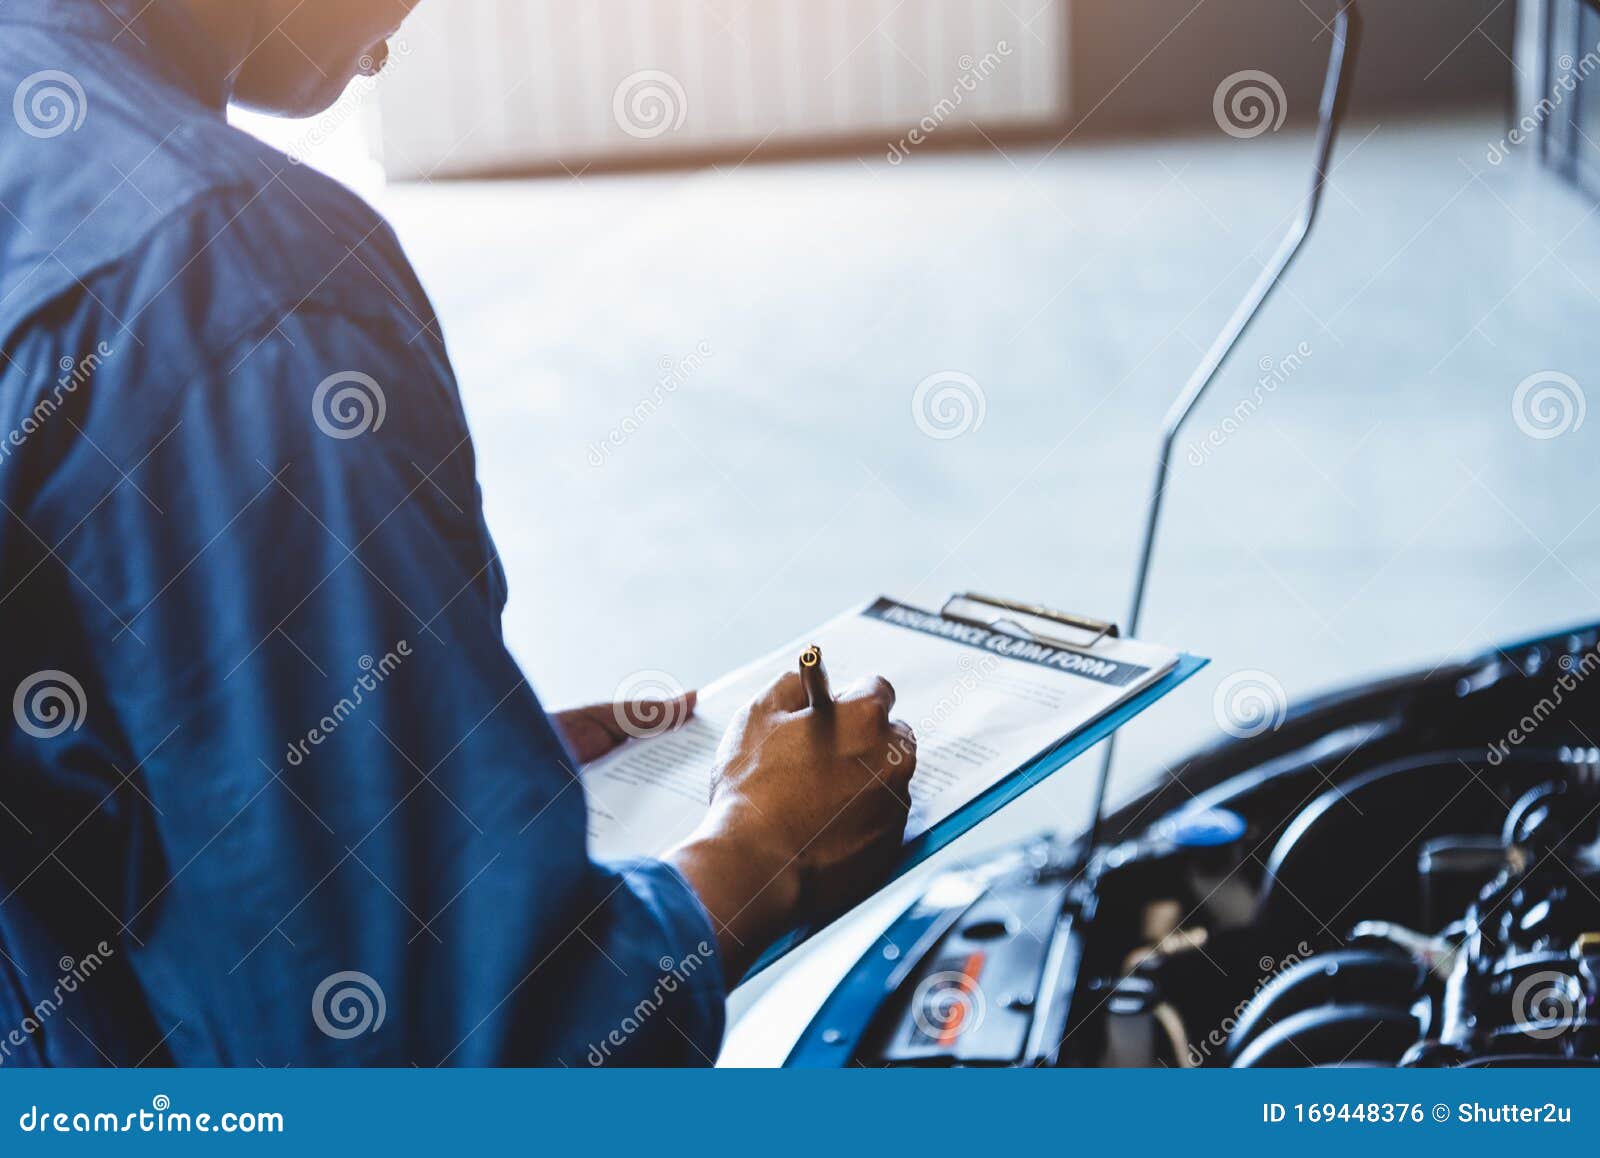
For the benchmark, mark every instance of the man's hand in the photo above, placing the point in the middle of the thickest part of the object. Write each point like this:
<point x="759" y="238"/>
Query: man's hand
<point x="808" y="812"/>
<point x="593" y="731"/>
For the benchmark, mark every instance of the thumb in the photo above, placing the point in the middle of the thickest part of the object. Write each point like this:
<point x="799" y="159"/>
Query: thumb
<point x="593" y="731"/>
<point x="641" y="719"/>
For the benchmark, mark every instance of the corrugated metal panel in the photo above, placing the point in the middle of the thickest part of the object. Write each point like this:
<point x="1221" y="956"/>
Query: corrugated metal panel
<point x="507" y="84"/>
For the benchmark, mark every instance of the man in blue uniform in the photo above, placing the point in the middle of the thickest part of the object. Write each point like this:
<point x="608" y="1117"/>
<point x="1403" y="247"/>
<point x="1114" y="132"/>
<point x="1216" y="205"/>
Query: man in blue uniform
<point x="272" y="790"/>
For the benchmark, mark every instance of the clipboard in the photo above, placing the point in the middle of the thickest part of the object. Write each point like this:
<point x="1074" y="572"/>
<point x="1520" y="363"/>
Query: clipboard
<point x="1041" y="625"/>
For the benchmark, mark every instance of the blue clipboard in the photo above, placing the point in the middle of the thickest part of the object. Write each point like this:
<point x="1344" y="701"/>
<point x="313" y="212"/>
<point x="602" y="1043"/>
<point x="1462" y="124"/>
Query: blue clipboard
<point x="964" y="819"/>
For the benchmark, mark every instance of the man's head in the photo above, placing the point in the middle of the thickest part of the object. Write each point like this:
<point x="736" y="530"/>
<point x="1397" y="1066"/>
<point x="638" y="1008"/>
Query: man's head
<point x="294" y="57"/>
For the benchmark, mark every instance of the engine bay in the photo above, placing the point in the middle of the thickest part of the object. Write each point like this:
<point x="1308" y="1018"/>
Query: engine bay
<point x="1403" y="874"/>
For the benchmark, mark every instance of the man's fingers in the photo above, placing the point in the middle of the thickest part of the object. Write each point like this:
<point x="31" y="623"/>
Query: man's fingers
<point x="593" y="731"/>
<point x="875" y="689"/>
<point x="863" y="717"/>
<point x="784" y="694"/>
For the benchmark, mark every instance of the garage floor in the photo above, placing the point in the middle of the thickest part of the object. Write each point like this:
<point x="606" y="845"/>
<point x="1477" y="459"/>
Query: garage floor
<point x="1378" y="507"/>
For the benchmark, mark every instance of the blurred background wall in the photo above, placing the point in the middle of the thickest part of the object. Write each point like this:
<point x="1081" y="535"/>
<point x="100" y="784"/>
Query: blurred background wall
<point x="562" y="84"/>
<point x="498" y="86"/>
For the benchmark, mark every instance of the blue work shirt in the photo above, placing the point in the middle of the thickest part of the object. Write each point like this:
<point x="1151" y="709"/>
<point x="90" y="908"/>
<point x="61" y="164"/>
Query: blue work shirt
<point x="272" y="789"/>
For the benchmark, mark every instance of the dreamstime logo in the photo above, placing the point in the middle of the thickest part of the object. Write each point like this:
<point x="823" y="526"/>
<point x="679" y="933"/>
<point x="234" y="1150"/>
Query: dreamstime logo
<point x="74" y="374"/>
<point x="649" y="103"/>
<point x="50" y="103"/>
<point x="348" y="404"/>
<point x="1543" y="1005"/>
<point x="1549" y="404"/>
<point x="1250" y="103"/>
<point x="949" y="404"/>
<point x="927" y="733"/>
<point x="374" y="673"/>
<point x="973" y="673"/>
<point x="674" y="976"/>
<point x="1570" y="81"/>
<point x="372" y="73"/>
<point x="1274" y="373"/>
<point x="348" y="1005"/>
<point x="160" y="1118"/>
<point x="947" y="1004"/>
<point x="973" y="74"/>
<point x="74" y="974"/>
<point x="673" y="375"/>
<point x="49" y="703"/>
<point x="1271" y="968"/>
<point x="1574" y="670"/>
<point x="649" y="703"/>
<point x="1249" y="703"/>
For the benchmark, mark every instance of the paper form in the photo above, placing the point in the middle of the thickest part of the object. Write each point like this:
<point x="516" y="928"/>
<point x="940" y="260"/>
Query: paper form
<point x="983" y="703"/>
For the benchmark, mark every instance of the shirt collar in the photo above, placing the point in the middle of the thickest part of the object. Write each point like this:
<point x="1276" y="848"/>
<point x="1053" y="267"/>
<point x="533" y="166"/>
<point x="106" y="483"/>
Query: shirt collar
<point x="160" y="32"/>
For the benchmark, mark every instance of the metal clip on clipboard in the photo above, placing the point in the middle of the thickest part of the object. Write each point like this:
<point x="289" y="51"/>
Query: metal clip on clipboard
<point x="1004" y="620"/>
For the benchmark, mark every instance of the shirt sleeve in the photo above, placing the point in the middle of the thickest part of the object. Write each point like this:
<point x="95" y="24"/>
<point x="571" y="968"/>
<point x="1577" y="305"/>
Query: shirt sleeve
<point x="356" y="838"/>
